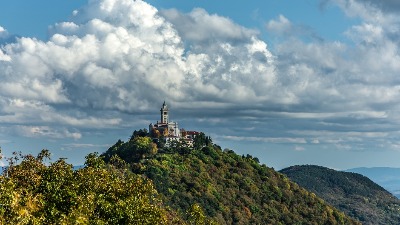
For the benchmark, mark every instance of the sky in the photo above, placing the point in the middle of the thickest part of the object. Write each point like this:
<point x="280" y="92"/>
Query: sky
<point x="289" y="82"/>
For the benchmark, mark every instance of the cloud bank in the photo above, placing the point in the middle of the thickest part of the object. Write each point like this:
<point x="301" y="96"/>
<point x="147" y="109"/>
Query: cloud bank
<point x="119" y="58"/>
<point x="124" y="56"/>
<point x="347" y="87"/>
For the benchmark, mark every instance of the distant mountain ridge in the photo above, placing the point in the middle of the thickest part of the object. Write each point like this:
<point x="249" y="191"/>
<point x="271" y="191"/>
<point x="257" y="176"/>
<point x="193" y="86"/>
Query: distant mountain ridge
<point x="387" y="177"/>
<point x="354" y="194"/>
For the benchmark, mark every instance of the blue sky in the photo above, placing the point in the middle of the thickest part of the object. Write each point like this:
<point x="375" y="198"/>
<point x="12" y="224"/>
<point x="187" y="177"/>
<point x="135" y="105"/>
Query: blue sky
<point x="291" y="82"/>
<point x="331" y="22"/>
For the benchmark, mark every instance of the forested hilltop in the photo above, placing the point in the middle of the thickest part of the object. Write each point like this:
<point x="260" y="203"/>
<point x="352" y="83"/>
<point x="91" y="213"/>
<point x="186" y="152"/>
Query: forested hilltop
<point x="138" y="182"/>
<point x="231" y="189"/>
<point x="354" y="194"/>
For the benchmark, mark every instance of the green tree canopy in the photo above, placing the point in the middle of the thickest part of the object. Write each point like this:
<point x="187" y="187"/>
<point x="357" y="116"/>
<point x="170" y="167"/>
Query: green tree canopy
<point x="34" y="193"/>
<point x="134" y="150"/>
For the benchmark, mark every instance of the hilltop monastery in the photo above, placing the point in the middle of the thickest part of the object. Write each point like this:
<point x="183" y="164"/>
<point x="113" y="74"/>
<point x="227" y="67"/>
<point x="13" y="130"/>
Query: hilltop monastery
<point x="169" y="130"/>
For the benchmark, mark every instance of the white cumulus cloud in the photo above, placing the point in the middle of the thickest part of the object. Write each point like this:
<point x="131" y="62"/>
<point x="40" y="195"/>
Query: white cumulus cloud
<point x="46" y="132"/>
<point x="126" y="56"/>
<point x="3" y="33"/>
<point x="116" y="59"/>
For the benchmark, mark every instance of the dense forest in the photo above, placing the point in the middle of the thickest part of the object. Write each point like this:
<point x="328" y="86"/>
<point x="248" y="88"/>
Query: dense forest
<point x="140" y="182"/>
<point x="354" y="194"/>
<point x="232" y="189"/>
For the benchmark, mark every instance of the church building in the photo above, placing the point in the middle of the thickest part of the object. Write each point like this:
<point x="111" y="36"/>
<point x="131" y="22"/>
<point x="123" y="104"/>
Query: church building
<point x="169" y="130"/>
<point x="165" y="127"/>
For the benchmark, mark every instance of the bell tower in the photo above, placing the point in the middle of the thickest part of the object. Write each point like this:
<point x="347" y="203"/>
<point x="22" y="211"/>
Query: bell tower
<point x="164" y="113"/>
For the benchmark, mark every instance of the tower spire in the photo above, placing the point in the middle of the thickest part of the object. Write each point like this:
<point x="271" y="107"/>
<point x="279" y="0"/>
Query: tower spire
<point x="164" y="113"/>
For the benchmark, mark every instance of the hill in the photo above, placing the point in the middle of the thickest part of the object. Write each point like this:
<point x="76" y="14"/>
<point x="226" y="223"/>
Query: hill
<point x="231" y="189"/>
<point x="354" y="194"/>
<point x="387" y="177"/>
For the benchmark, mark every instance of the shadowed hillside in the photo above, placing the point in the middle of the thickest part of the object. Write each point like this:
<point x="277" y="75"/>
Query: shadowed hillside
<point x="352" y="193"/>
<point x="387" y="177"/>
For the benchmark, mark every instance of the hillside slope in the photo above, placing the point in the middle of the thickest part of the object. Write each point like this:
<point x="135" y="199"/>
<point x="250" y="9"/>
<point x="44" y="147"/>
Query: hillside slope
<point x="231" y="189"/>
<point x="387" y="177"/>
<point x="352" y="193"/>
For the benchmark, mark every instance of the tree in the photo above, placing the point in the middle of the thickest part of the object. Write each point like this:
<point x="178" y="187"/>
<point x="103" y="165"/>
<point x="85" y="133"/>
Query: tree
<point x="144" y="146"/>
<point x="33" y="193"/>
<point x="196" y="216"/>
<point x="165" y="132"/>
<point x="156" y="133"/>
<point x="201" y="140"/>
<point x="133" y="151"/>
<point x="140" y="133"/>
